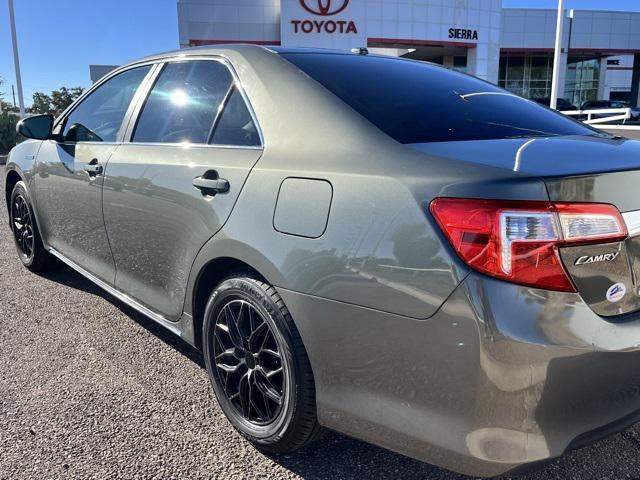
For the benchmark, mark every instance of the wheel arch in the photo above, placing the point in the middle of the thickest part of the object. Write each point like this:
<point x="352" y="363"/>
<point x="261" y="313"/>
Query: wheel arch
<point x="12" y="177"/>
<point x="210" y="276"/>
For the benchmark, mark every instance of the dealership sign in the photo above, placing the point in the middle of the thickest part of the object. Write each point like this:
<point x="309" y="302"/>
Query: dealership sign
<point x="336" y="24"/>
<point x="463" y="33"/>
<point x="326" y="26"/>
<point x="324" y="8"/>
<point x="344" y="25"/>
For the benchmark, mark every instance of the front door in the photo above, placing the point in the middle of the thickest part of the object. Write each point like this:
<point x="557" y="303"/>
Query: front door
<point x="174" y="185"/>
<point x="70" y="174"/>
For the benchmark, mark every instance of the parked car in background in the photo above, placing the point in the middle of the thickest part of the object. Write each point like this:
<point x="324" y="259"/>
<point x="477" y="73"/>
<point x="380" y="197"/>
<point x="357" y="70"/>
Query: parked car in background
<point x="383" y="247"/>
<point x="601" y="104"/>
<point x="605" y="104"/>
<point x="563" y="104"/>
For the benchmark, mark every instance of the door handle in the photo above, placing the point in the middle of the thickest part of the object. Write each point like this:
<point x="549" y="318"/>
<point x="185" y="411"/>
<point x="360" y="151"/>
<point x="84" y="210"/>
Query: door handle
<point x="211" y="184"/>
<point x="93" y="168"/>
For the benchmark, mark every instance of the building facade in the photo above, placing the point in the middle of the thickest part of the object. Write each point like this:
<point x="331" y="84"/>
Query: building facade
<point x="510" y="47"/>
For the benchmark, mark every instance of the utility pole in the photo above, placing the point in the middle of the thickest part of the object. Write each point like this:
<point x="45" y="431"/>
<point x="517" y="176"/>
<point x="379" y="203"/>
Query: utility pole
<point x="16" y="60"/>
<point x="557" y="57"/>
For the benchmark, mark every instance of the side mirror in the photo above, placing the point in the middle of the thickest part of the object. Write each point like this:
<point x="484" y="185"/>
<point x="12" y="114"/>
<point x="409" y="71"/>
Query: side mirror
<point x="79" y="133"/>
<point x="38" y="127"/>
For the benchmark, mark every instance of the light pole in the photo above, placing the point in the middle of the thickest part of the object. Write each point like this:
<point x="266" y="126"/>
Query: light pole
<point x="557" y="57"/>
<point x="571" y="12"/>
<point x="16" y="60"/>
<point x="569" y="49"/>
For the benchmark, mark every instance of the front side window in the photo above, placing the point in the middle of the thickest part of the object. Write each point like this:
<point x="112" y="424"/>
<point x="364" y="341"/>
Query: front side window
<point x="98" y="117"/>
<point x="415" y="102"/>
<point x="183" y="103"/>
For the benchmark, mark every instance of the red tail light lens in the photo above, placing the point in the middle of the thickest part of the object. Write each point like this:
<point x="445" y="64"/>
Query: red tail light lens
<point x="518" y="241"/>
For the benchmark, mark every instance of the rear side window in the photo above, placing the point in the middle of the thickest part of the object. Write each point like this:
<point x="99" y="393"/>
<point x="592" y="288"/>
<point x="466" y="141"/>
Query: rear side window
<point x="235" y="125"/>
<point x="415" y="102"/>
<point x="183" y="103"/>
<point x="99" y="116"/>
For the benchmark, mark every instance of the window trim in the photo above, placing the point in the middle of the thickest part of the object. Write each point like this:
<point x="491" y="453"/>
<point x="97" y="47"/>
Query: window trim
<point x="133" y="111"/>
<point x="236" y="84"/>
<point x="140" y="95"/>
<point x="61" y="121"/>
<point x="221" y="108"/>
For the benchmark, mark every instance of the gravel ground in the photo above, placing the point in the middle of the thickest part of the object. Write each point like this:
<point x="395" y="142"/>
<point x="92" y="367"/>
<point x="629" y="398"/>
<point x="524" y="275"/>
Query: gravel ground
<point x="91" y="389"/>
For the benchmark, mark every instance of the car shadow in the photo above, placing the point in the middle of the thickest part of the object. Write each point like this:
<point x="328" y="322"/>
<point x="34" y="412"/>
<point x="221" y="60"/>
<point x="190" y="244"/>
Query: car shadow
<point x="337" y="456"/>
<point x="332" y="456"/>
<point x="65" y="275"/>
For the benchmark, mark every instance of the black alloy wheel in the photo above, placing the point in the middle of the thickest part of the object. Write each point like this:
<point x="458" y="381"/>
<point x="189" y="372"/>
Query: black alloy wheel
<point x="258" y="365"/>
<point x="22" y="226"/>
<point x="249" y="362"/>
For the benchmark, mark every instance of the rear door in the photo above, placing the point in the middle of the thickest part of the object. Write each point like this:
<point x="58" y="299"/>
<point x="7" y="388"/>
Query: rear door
<point x="69" y="179"/>
<point x="173" y="185"/>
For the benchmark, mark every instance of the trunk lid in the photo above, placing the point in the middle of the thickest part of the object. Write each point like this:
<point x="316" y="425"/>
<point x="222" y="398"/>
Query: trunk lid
<point x="597" y="168"/>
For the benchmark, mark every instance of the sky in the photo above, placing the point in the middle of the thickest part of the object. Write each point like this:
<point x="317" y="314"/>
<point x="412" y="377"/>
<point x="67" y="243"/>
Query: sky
<point x="59" y="39"/>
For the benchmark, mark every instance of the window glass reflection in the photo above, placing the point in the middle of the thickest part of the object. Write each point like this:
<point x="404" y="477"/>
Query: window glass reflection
<point x="183" y="103"/>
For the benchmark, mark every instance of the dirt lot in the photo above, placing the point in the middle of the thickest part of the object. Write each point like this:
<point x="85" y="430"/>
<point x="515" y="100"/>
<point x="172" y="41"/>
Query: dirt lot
<point x="91" y="389"/>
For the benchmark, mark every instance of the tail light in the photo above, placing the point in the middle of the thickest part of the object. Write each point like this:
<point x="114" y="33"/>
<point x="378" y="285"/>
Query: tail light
<point x="518" y="241"/>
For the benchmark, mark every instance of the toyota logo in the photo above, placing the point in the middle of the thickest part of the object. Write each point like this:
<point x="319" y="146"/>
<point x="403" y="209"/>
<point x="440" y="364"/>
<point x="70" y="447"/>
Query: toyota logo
<point x="324" y="7"/>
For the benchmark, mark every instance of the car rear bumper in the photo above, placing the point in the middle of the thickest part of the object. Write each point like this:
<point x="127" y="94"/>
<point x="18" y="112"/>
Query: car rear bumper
<point x="500" y="377"/>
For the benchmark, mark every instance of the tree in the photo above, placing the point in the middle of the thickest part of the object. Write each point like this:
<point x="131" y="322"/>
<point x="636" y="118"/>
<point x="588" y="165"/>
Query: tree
<point x="8" y="135"/>
<point x="3" y="105"/>
<point x="6" y="106"/>
<point x="55" y="103"/>
<point x="41" y="103"/>
<point x="61" y="99"/>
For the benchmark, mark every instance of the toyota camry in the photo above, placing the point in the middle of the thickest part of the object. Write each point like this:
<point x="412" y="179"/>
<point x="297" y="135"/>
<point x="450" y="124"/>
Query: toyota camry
<point x="383" y="247"/>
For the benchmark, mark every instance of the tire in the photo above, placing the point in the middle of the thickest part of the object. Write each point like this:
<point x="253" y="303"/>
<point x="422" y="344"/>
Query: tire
<point x="26" y="235"/>
<point x="237" y="346"/>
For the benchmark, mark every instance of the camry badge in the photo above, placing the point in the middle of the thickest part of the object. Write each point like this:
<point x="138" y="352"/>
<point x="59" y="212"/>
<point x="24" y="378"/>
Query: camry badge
<point x="603" y="257"/>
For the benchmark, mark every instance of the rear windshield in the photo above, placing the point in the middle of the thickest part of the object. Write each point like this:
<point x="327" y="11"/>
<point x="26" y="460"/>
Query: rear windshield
<point x="416" y="102"/>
